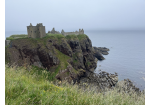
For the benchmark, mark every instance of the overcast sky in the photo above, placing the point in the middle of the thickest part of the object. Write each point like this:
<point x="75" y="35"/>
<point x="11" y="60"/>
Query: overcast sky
<point x="75" y="14"/>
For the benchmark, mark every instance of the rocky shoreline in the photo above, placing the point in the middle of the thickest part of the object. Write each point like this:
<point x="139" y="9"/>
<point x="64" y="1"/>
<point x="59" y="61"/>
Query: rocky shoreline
<point x="104" y="80"/>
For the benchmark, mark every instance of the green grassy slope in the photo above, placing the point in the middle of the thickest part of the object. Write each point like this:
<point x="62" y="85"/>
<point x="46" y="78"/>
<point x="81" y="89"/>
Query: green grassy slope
<point x="16" y="36"/>
<point x="26" y="87"/>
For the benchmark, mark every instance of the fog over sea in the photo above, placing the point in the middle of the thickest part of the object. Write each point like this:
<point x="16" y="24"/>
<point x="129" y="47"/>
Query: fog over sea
<point x="126" y="55"/>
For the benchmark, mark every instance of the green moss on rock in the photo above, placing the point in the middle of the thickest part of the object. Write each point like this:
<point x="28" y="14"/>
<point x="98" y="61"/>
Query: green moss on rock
<point x="82" y="36"/>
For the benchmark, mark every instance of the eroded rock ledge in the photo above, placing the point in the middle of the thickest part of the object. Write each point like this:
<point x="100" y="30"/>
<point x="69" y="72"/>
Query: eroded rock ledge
<point x="99" y="51"/>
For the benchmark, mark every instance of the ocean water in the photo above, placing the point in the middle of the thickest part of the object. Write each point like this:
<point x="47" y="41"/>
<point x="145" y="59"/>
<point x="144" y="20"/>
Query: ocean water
<point x="126" y="55"/>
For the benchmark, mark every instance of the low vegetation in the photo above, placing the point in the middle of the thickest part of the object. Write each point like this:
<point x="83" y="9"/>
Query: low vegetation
<point x="17" y="36"/>
<point x="58" y="36"/>
<point x="82" y="36"/>
<point x="71" y="37"/>
<point x="29" y="85"/>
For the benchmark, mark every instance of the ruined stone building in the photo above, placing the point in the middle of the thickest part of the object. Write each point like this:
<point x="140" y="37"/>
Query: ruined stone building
<point x="37" y="31"/>
<point x="72" y="33"/>
<point x="66" y="33"/>
<point x="53" y="31"/>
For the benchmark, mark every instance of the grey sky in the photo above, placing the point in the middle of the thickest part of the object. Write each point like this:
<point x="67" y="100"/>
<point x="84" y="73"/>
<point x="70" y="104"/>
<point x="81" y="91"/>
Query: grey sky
<point x="75" y="14"/>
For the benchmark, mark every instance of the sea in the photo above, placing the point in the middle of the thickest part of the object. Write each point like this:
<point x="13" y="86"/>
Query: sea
<point x="126" y="56"/>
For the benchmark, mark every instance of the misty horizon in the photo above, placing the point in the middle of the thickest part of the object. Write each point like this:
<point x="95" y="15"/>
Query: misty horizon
<point x="72" y="15"/>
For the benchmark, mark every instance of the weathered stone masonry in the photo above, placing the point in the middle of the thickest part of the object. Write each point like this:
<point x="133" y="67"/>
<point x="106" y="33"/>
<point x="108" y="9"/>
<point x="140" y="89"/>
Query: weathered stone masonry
<point x="37" y="31"/>
<point x="54" y="32"/>
<point x="66" y="33"/>
<point x="72" y="33"/>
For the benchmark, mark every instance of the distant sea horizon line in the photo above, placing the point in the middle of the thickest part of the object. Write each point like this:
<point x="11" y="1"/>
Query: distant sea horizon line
<point x="84" y="30"/>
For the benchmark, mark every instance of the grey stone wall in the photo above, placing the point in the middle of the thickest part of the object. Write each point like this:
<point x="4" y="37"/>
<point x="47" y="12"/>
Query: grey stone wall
<point x="42" y="31"/>
<point x="54" y="32"/>
<point x="37" y="31"/>
<point x="72" y="33"/>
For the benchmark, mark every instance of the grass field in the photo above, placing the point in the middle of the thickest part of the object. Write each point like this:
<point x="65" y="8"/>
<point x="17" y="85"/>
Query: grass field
<point x="28" y="86"/>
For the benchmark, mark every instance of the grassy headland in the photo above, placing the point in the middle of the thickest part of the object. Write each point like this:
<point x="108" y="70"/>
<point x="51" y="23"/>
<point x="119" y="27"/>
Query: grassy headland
<point x="16" y="36"/>
<point x="31" y="86"/>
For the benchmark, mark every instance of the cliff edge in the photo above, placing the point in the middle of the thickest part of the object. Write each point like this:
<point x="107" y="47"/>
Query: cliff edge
<point x="68" y="57"/>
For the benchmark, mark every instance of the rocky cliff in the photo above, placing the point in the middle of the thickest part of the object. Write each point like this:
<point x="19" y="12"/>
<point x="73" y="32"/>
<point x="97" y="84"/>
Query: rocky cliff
<point x="70" y="58"/>
<point x="71" y="55"/>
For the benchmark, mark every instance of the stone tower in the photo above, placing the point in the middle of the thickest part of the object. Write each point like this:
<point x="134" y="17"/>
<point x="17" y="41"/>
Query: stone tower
<point x="37" y="31"/>
<point x="81" y="31"/>
<point x="62" y="32"/>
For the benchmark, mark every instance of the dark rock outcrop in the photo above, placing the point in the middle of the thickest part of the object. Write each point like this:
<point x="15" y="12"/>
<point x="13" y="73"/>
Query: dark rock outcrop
<point x="27" y="53"/>
<point x="102" y="50"/>
<point x="102" y="81"/>
<point x="98" y="51"/>
<point x="98" y="55"/>
<point x="88" y="58"/>
<point x="77" y="56"/>
<point x="70" y="75"/>
<point x="63" y="47"/>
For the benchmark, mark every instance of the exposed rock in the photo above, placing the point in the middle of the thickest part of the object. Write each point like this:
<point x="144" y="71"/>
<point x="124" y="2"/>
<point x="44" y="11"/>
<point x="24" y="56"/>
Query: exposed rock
<point x="77" y="55"/>
<point x="69" y="75"/>
<point x="43" y="53"/>
<point x="98" y="55"/>
<point x="103" y="50"/>
<point x="28" y="54"/>
<point x="63" y="47"/>
<point x="88" y="58"/>
<point x="101" y="81"/>
<point x="98" y="51"/>
<point x="127" y="86"/>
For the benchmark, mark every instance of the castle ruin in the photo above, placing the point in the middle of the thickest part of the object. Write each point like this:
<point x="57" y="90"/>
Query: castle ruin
<point x="66" y="33"/>
<point x="54" y="32"/>
<point x="72" y="33"/>
<point x="37" y="31"/>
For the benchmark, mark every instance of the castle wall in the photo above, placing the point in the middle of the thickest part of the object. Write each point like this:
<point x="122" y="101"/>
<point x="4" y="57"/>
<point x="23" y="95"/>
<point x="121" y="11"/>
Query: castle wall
<point x="32" y="32"/>
<point x="42" y="32"/>
<point x="36" y="31"/>
<point x="81" y="32"/>
<point x="72" y="33"/>
<point x="53" y="31"/>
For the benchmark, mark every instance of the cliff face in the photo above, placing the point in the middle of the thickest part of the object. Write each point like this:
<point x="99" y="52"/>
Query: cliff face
<point x="72" y="54"/>
<point x="70" y="58"/>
